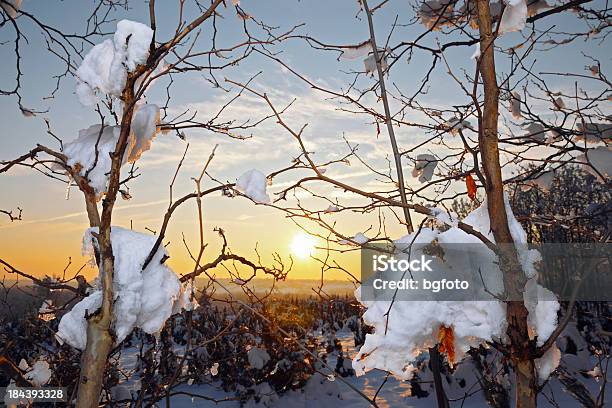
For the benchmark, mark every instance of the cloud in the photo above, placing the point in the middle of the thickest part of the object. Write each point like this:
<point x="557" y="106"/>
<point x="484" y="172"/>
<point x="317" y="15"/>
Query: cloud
<point x="79" y="214"/>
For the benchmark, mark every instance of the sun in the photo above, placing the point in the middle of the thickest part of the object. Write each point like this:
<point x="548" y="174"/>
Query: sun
<point x="302" y="245"/>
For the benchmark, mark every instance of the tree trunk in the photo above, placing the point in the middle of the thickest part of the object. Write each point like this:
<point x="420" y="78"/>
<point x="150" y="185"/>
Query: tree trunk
<point x="99" y="337"/>
<point x="435" y="362"/>
<point x="514" y="278"/>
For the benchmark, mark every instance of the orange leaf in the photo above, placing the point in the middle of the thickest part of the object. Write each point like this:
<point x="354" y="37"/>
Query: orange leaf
<point x="446" y="339"/>
<point x="471" y="187"/>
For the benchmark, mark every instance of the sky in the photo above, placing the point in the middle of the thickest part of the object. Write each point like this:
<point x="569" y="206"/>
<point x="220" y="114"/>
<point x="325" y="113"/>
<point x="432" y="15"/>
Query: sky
<point x="52" y="226"/>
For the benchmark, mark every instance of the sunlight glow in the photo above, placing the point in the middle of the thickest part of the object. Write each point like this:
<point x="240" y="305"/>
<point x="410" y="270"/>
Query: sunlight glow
<point x="303" y="245"/>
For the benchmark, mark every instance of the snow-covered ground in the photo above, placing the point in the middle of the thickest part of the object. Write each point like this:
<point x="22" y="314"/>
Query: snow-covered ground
<point x="327" y="390"/>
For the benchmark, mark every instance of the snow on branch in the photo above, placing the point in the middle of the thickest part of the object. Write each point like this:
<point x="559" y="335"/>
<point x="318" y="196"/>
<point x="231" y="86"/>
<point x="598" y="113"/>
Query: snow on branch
<point x="90" y="151"/>
<point x="403" y="330"/>
<point x="253" y="184"/>
<point x="105" y="68"/>
<point x="144" y="299"/>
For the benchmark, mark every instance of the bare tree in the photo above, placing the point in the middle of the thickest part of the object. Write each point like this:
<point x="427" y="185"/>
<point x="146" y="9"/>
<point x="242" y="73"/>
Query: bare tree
<point x="548" y="127"/>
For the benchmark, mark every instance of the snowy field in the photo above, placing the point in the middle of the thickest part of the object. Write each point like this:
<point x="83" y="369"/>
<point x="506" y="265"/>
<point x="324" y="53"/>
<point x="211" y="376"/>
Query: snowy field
<point x="328" y="390"/>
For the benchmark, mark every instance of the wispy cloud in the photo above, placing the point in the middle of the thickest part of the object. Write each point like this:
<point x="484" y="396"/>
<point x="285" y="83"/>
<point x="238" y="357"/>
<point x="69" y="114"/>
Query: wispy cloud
<point x="78" y="214"/>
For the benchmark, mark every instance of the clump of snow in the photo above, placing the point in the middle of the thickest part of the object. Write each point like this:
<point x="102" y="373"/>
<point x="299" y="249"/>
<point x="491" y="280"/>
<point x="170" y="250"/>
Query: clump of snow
<point x="454" y="125"/>
<point x="553" y="136"/>
<point x="535" y="132"/>
<point x="543" y="181"/>
<point x="515" y="105"/>
<point x="600" y="159"/>
<point x="143" y="299"/>
<point x="559" y="103"/>
<point x="258" y="357"/>
<point x="72" y="327"/>
<point x="535" y="7"/>
<point x="332" y="209"/>
<point x="91" y="149"/>
<point x="514" y="17"/>
<point x="47" y="310"/>
<point x="356" y="51"/>
<point x="360" y="238"/>
<point x="132" y="42"/>
<point x="369" y="63"/>
<point x="443" y="217"/>
<point x="542" y="306"/>
<point x="23" y="365"/>
<point x="253" y="184"/>
<point x="46" y="307"/>
<point x="548" y="363"/>
<point x="186" y="300"/>
<point x="144" y="129"/>
<point x="412" y="326"/>
<point x="476" y="53"/>
<point x="424" y="167"/>
<point x="105" y="67"/>
<point x="436" y="13"/>
<point x="594" y="132"/>
<point x="93" y="75"/>
<point x="39" y="374"/>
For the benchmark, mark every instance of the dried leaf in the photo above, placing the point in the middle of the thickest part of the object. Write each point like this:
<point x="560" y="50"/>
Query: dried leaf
<point x="446" y="340"/>
<point x="471" y="187"/>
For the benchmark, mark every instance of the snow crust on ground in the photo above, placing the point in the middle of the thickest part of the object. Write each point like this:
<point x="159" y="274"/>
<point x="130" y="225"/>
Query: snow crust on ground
<point x="105" y="68"/>
<point x="91" y="149"/>
<point x="326" y="390"/>
<point x="253" y="184"/>
<point x="143" y="299"/>
<point x="412" y="326"/>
